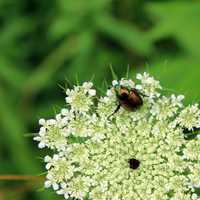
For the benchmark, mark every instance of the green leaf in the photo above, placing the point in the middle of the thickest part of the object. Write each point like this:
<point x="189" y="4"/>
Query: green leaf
<point x="178" y="76"/>
<point x="179" y="19"/>
<point x="11" y="75"/>
<point x="126" y="34"/>
<point x="42" y="76"/>
<point x="13" y="129"/>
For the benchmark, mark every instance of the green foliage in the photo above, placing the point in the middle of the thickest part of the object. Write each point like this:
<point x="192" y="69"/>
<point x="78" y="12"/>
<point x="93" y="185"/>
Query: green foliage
<point x="45" y="42"/>
<point x="179" y="20"/>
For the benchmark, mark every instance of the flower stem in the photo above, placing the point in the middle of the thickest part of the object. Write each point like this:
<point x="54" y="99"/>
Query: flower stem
<point x="20" y="178"/>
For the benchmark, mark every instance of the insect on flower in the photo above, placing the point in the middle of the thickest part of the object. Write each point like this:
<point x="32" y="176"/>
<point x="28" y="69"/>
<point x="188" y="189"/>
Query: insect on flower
<point x="95" y="158"/>
<point x="129" y="98"/>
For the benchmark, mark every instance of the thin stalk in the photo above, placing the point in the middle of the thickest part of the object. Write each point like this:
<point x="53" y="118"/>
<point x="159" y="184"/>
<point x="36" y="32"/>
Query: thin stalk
<point x="11" y="177"/>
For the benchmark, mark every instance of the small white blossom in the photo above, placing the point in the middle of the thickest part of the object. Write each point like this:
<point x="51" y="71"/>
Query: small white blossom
<point x="189" y="117"/>
<point x="59" y="170"/>
<point x="140" y="155"/>
<point x="110" y="93"/>
<point x="92" y="92"/>
<point x="166" y="107"/>
<point x="42" y="121"/>
<point x="52" y="134"/>
<point x="80" y="98"/>
<point x="115" y="82"/>
<point x="87" y="85"/>
<point x="127" y="83"/>
<point x="64" y="191"/>
<point x="149" y="85"/>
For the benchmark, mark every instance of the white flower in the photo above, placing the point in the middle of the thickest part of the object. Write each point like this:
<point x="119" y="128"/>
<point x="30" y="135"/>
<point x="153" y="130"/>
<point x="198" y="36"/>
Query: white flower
<point x="166" y="107"/>
<point x="106" y="106"/>
<point x="52" y="133"/>
<point x="78" y="153"/>
<point x="42" y="121"/>
<point x="80" y="98"/>
<point x="127" y="83"/>
<point x="189" y="117"/>
<point x="133" y="155"/>
<point x="149" y="85"/>
<point x="192" y="150"/>
<point x="87" y="85"/>
<point x="110" y="93"/>
<point x="92" y="92"/>
<point x="64" y="191"/>
<point x="115" y="82"/>
<point x="77" y="126"/>
<point x="79" y="187"/>
<point x="59" y="170"/>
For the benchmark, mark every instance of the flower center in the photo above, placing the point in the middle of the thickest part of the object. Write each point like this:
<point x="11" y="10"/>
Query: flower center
<point x="134" y="163"/>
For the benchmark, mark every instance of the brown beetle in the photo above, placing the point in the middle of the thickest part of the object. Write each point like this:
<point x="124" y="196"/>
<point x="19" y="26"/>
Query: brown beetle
<point x="129" y="99"/>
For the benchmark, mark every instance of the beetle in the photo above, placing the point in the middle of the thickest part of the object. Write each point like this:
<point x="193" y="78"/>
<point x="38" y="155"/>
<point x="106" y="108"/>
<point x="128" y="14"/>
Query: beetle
<point x="129" y="98"/>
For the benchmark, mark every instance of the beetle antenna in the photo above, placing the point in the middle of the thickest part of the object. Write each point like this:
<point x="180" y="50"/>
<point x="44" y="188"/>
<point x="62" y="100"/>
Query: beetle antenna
<point x="116" y="110"/>
<point x="142" y="94"/>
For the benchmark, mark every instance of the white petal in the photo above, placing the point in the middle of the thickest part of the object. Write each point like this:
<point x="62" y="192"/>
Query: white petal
<point x="51" y="122"/>
<point x="47" y="158"/>
<point x="64" y="111"/>
<point x="68" y="99"/>
<point x="60" y="192"/>
<point x="55" y="186"/>
<point x="63" y="185"/>
<point x="42" y="131"/>
<point x="48" y="166"/>
<point x="138" y="87"/>
<point x="92" y="92"/>
<point x="55" y="157"/>
<point x="87" y="85"/>
<point x="47" y="184"/>
<point x="37" y="138"/>
<point x="114" y="82"/>
<point x="42" y="121"/>
<point x="66" y="196"/>
<point x="58" y="117"/>
<point x="181" y="97"/>
<point x="139" y="76"/>
<point x="41" y="145"/>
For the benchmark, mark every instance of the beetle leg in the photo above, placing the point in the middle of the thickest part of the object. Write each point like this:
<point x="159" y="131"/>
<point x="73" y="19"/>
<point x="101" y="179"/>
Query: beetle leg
<point x="116" y="110"/>
<point x="142" y="94"/>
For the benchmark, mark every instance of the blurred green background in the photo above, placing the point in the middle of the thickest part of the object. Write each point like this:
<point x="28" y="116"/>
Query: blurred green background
<point x="45" y="42"/>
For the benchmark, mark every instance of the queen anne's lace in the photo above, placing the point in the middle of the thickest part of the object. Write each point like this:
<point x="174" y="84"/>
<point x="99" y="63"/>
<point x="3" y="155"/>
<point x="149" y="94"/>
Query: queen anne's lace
<point x="91" y="153"/>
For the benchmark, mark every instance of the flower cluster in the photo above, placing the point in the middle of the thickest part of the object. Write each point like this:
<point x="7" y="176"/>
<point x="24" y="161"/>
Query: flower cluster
<point x="140" y="155"/>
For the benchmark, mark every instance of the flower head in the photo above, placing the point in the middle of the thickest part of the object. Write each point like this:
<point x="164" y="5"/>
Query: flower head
<point x="148" y="85"/>
<point x="189" y="117"/>
<point x="80" y="97"/>
<point x="132" y="155"/>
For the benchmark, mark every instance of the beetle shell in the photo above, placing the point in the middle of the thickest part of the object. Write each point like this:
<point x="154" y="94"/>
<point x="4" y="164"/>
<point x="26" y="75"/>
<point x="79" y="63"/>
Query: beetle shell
<point x="129" y="100"/>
